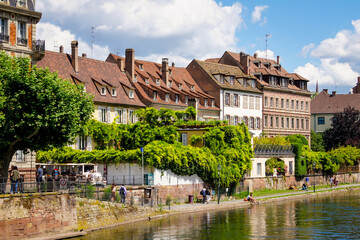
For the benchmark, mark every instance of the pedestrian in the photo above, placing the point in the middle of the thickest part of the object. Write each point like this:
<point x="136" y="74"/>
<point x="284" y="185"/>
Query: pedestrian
<point x="335" y="181"/>
<point x="113" y="192"/>
<point x="208" y="195"/>
<point x="331" y="181"/>
<point x="39" y="176"/>
<point x="203" y="194"/>
<point x="251" y="199"/>
<point x="14" y="180"/>
<point x="307" y="181"/>
<point x="122" y="193"/>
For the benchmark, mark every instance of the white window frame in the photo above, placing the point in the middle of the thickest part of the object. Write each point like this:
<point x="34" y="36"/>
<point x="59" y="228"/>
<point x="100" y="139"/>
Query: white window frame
<point x="206" y="102"/>
<point x="212" y="102"/>
<point x="251" y="102"/>
<point x="167" y="97"/>
<point x="227" y="99"/>
<point x="266" y="102"/>
<point x="245" y="102"/>
<point x="157" y="81"/>
<point x="4" y="26"/>
<point x="119" y="113"/>
<point x="131" y="93"/>
<point x="103" y="91"/>
<point x="22" y="30"/>
<point x="155" y="95"/>
<point x="131" y="116"/>
<point x="20" y="156"/>
<point x="177" y="98"/>
<point x="113" y="92"/>
<point x="184" y="139"/>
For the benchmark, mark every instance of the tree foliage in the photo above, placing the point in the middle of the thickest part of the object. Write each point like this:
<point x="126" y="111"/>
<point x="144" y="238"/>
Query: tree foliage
<point x="277" y="140"/>
<point x="38" y="110"/>
<point x="345" y="129"/>
<point x="317" y="142"/>
<point x="298" y="142"/>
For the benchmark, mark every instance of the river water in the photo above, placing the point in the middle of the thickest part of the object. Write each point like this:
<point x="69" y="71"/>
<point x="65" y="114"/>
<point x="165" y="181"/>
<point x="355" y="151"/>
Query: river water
<point x="335" y="216"/>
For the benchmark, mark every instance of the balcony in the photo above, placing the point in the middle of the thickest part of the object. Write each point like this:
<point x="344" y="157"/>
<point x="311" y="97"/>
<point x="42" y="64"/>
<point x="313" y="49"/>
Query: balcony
<point x="4" y="38"/>
<point x="38" y="49"/>
<point x="22" y="41"/>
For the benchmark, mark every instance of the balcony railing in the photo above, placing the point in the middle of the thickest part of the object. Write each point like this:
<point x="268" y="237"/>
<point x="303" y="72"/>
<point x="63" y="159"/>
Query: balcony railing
<point x="4" y="38"/>
<point x="38" y="45"/>
<point x="22" y="41"/>
<point x="272" y="150"/>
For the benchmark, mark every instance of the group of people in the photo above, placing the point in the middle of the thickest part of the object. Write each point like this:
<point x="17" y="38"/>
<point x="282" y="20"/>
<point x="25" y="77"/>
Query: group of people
<point x="333" y="182"/>
<point x="206" y="194"/>
<point x="122" y="193"/>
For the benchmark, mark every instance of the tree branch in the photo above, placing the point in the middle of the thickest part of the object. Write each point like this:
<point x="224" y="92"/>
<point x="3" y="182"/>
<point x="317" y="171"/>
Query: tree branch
<point x="27" y="137"/>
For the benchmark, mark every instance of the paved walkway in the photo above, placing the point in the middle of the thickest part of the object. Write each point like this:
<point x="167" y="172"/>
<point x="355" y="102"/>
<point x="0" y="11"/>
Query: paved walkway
<point x="240" y="202"/>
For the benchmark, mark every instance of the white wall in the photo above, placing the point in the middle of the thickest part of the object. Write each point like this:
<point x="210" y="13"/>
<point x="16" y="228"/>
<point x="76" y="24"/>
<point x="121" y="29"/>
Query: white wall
<point x="168" y="178"/>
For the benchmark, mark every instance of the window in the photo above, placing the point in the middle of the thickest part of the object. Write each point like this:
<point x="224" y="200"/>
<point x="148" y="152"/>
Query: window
<point x="321" y="120"/>
<point x="307" y="124"/>
<point x="177" y="98"/>
<point x="252" y="123"/>
<point x="283" y="82"/>
<point x="131" y="94"/>
<point x="113" y="92"/>
<point x="232" y="80"/>
<point x="307" y="106"/>
<point x="22" y="33"/>
<point x="184" y="139"/>
<point x="213" y="103"/>
<point x="22" y="3"/>
<point x="257" y="103"/>
<point x="236" y="100"/>
<point x="170" y="71"/>
<point x="228" y="119"/>
<point x="266" y="102"/>
<point x="119" y="116"/>
<point x="4" y="29"/>
<point x="277" y="122"/>
<point x="265" y="121"/>
<point x="287" y="123"/>
<point x="245" y="102"/>
<point x="291" y="167"/>
<point x="271" y="122"/>
<point x="251" y="102"/>
<point x="131" y="116"/>
<point x="277" y="103"/>
<point x="20" y="156"/>
<point x="302" y="124"/>
<point x="253" y="83"/>
<point x="180" y="86"/>
<point x="103" y="91"/>
<point x="245" y="120"/>
<point x="292" y="123"/>
<point x="259" y="169"/>
<point x="104" y="114"/>
<point x="141" y="67"/>
<point x="170" y="84"/>
<point x="282" y="103"/>
<point x="166" y="97"/>
<point x="297" y="105"/>
<point x="222" y="79"/>
<point x="82" y="143"/>
<point x="227" y="99"/>
<point x="292" y="104"/>
<point x="257" y="123"/>
<point x="193" y="87"/>
<point x="245" y="82"/>
<point x="302" y="106"/>
<point x="147" y="81"/>
<point x="287" y="103"/>
<point x="236" y="120"/>
<point x="271" y="102"/>
<point x="297" y="124"/>
<point x="157" y="82"/>
<point x="155" y="95"/>
<point x="186" y="100"/>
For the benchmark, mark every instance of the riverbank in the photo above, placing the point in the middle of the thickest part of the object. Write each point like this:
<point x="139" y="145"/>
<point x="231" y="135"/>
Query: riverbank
<point x="148" y="215"/>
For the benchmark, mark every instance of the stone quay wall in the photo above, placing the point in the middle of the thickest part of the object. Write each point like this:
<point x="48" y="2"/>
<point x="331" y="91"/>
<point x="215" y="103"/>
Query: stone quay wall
<point x="26" y="216"/>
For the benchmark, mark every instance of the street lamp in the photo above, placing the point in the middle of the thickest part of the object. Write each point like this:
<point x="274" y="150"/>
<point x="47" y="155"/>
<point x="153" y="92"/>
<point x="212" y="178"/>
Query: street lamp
<point x="314" y="165"/>
<point x="219" y="169"/>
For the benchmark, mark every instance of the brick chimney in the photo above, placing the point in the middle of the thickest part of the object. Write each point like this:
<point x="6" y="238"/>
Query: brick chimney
<point x="255" y="55"/>
<point x="325" y="91"/>
<point x="333" y="94"/>
<point x="245" y="62"/>
<point x="278" y="60"/>
<point x="130" y="62"/>
<point x="61" y="49"/>
<point x="74" y="55"/>
<point x="121" y="64"/>
<point x="165" y="71"/>
<point x="173" y="64"/>
<point x="84" y="55"/>
<point x="358" y="82"/>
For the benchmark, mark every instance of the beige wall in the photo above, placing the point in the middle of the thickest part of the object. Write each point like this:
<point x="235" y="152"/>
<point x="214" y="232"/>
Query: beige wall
<point x="322" y="127"/>
<point x="261" y="161"/>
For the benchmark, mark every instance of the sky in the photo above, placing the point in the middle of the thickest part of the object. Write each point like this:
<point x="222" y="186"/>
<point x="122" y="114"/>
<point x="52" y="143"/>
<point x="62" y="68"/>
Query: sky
<point x="319" y="40"/>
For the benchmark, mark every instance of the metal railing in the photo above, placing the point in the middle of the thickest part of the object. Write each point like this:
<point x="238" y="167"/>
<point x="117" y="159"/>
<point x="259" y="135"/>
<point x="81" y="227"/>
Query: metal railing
<point x="22" y="41"/>
<point x="4" y="38"/>
<point x="126" y="180"/>
<point x="38" y="45"/>
<point x="272" y="150"/>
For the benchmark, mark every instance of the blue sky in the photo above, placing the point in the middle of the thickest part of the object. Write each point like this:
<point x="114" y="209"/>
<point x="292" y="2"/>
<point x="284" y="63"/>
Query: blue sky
<point x="317" y="39"/>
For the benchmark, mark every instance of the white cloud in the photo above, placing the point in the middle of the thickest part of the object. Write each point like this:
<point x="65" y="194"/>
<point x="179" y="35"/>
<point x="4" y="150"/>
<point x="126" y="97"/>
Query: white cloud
<point x="256" y="14"/>
<point x="186" y="28"/>
<point x="329" y="73"/>
<point x="306" y="49"/>
<point x="266" y="54"/>
<point x="55" y="37"/>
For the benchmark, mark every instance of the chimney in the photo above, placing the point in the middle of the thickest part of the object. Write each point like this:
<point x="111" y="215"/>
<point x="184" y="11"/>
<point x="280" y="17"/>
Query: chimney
<point x="245" y="62"/>
<point x="173" y="64"/>
<point x="255" y="55"/>
<point x="130" y="62"/>
<point x="325" y="91"/>
<point x="278" y="60"/>
<point x="121" y="64"/>
<point x="358" y="80"/>
<point x="84" y="55"/>
<point x="333" y="94"/>
<point x="165" y="71"/>
<point x="74" y="55"/>
<point x="61" y="49"/>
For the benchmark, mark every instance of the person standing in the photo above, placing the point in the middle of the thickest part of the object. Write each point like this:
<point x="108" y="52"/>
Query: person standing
<point x="331" y="181"/>
<point x="113" y="192"/>
<point x="307" y="182"/>
<point x="14" y="180"/>
<point x="39" y="176"/>
<point x="203" y="193"/>
<point x="208" y="195"/>
<point x="122" y="193"/>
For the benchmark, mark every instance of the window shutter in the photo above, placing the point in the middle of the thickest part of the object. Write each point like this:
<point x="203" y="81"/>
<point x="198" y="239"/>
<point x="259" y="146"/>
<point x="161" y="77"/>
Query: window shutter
<point x="125" y="116"/>
<point x="108" y="114"/>
<point x="232" y="120"/>
<point x="77" y="143"/>
<point x="88" y="143"/>
<point x="231" y="100"/>
<point x="99" y="109"/>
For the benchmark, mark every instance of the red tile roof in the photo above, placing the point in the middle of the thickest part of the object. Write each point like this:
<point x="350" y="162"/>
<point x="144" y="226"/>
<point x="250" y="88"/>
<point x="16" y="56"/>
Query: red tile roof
<point x="329" y="103"/>
<point x="93" y="73"/>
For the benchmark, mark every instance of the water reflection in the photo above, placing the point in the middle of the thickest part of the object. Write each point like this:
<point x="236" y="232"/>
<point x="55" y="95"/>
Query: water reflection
<point x="330" y="217"/>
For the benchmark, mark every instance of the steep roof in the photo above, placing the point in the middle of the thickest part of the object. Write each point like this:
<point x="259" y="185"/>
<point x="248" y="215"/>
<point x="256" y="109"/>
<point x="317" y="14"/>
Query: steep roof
<point x="212" y="69"/>
<point x="94" y="74"/>
<point x="182" y="84"/>
<point x="329" y="103"/>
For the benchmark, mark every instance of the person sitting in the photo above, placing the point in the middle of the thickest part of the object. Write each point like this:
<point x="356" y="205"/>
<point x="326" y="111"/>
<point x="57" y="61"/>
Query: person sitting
<point x="304" y="187"/>
<point x="250" y="198"/>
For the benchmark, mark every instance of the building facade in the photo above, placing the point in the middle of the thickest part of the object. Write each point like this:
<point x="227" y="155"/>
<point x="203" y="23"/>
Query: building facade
<point x="164" y="86"/>
<point x="325" y="105"/>
<point x="18" y="21"/>
<point x="286" y="99"/>
<point x="234" y="91"/>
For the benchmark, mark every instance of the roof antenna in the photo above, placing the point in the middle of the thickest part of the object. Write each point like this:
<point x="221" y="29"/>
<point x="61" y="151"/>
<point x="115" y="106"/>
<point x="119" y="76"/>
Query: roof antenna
<point x="266" y="44"/>
<point x="92" y="41"/>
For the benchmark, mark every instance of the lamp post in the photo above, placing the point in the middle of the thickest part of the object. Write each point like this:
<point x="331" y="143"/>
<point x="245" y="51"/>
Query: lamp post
<point x="142" y="165"/>
<point x="314" y="165"/>
<point x="219" y="169"/>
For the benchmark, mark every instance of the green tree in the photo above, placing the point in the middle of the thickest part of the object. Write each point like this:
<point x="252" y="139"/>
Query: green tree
<point x="317" y="142"/>
<point x="38" y="110"/>
<point x="298" y="142"/>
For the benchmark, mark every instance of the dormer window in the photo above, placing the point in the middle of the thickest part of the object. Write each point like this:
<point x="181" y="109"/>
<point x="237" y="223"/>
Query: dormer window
<point x="135" y="78"/>
<point x="141" y="67"/>
<point x="113" y="92"/>
<point x="170" y="84"/>
<point x="253" y="83"/>
<point x="186" y="100"/>
<point x="232" y="80"/>
<point x="213" y="103"/>
<point x="192" y="87"/>
<point x="206" y="103"/>
<point x="180" y="86"/>
<point x="155" y="96"/>
<point x="147" y="81"/>
<point x="245" y="83"/>
<point x="103" y="91"/>
<point x="267" y="65"/>
<point x="257" y="64"/>
<point x="158" y="82"/>
<point x="131" y="94"/>
<point x="22" y="3"/>
<point x="177" y="98"/>
<point x="167" y="96"/>
<point x="170" y="71"/>
<point x="222" y="79"/>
